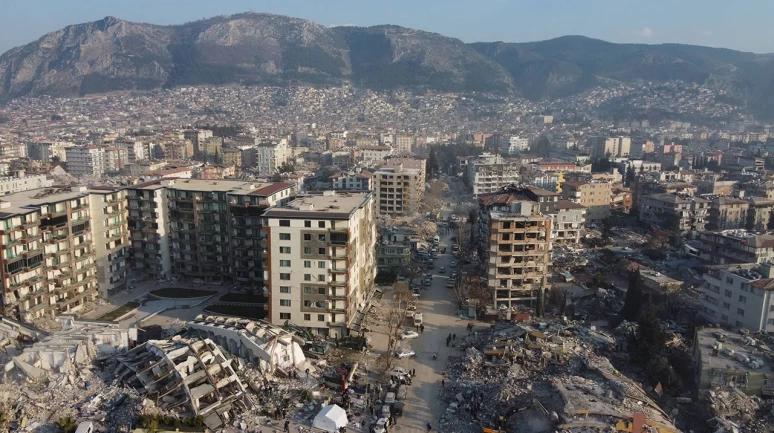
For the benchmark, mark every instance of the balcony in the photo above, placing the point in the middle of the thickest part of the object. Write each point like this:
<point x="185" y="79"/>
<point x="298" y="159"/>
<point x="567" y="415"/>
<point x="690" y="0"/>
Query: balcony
<point x="338" y="283"/>
<point x="337" y="270"/>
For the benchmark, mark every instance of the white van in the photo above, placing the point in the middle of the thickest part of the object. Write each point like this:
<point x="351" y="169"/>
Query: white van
<point x="85" y="427"/>
<point x="418" y="319"/>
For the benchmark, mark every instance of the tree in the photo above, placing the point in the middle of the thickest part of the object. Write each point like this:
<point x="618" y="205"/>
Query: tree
<point x="634" y="297"/>
<point x="67" y="424"/>
<point x="649" y="346"/>
<point x="607" y="228"/>
<point x="541" y="146"/>
<point x="396" y="315"/>
<point x="432" y="164"/>
<point x="286" y="167"/>
<point x="629" y="176"/>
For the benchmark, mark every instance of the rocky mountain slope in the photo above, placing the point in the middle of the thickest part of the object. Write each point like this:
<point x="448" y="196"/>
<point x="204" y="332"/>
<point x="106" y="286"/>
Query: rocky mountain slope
<point x="253" y="48"/>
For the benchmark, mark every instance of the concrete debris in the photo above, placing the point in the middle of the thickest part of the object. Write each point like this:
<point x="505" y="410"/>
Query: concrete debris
<point x="735" y="411"/>
<point x="543" y="378"/>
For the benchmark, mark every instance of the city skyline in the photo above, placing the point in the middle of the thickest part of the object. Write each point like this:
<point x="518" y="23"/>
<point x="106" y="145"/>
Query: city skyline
<point x="708" y="23"/>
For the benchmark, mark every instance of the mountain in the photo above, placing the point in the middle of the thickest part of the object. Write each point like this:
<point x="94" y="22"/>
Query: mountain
<point x="254" y="48"/>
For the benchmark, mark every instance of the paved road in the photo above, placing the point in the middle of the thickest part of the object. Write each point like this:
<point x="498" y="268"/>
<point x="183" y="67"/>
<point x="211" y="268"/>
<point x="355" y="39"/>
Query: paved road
<point x="438" y="307"/>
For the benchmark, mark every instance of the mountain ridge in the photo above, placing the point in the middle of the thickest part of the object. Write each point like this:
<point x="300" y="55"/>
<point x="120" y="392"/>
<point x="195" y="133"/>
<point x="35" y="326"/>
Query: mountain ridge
<point x="258" y="48"/>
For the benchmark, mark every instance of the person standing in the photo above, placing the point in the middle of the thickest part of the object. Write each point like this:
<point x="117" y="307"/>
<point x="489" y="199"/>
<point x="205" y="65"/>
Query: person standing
<point x="287" y="426"/>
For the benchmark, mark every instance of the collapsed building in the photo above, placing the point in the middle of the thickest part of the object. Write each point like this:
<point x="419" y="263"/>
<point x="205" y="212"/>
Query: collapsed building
<point x="64" y="352"/>
<point x="520" y="379"/>
<point x="182" y="374"/>
<point x="268" y="347"/>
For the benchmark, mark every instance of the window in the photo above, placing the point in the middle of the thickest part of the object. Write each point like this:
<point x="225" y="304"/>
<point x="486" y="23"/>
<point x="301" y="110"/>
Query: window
<point x="745" y="287"/>
<point x="307" y="224"/>
<point x="321" y="224"/>
<point x="284" y="250"/>
<point x="284" y="263"/>
<point x="728" y="293"/>
<point x="771" y="322"/>
<point x="740" y="312"/>
<point x="307" y="316"/>
<point x="771" y="308"/>
<point x="320" y="277"/>
<point x="307" y="236"/>
<point x="307" y="263"/>
<point x="321" y="290"/>
<point x="284" y="302"/>
<point x="321" y="317"/>
<point x="308" y="251"/>
<point x="724" y="318"/>
<point x="321" y="238"/>
<point x="308" y="290"/>
<point x="742" y="299"/>
<point x="321" y="264"/>
<point x="284" y="289"/>
<point x="284" y="223"/>
<point x="307" y="277"/>
<point x="726" y="305"/>
<point x="321" y="251"/>
<point x="729" y="280"/>
<point x="284" y="236"/>
<point x="284" y="316"/>
<point x="285" y="277"/>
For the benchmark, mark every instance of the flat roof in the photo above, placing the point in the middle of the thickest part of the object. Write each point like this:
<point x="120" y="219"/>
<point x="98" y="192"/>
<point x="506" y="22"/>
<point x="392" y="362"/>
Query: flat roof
<point x="706" y="339"/>
<point x="24" y="202"/>
<point x="339" y="205"/>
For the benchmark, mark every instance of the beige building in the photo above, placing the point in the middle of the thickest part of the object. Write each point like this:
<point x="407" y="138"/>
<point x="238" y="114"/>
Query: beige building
<point x="516" y="241"/>
<point x="595" y="196"/>
<point x="400" y="186"/>
<point x="321" y="260"/>
<point x="48" y="151"/>
<point x="569" y="221"/>
<point x="675" y="211"/>
<point x="727" y="213"/>
<point x="404" y="144"/>
<point x="270" y="155"/>
<point x="50" y="253"/>
<point x="86" y="161"/>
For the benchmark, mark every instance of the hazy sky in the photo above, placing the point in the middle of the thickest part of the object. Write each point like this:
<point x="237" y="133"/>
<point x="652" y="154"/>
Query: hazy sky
<point x="742" y="25"/>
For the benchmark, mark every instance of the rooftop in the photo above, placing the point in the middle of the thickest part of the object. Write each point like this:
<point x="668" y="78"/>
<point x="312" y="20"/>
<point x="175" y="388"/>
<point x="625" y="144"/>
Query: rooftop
<point x="328" y="204"/>
<point x="737" y="352"/>
<point x="28" y="201"/>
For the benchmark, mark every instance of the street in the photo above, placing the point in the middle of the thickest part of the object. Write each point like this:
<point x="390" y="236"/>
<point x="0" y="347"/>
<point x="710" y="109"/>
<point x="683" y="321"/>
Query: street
<point x="439" y="307"/>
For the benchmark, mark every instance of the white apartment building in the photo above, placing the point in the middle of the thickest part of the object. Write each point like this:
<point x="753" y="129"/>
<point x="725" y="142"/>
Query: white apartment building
<point x="375" y="154"/>
<point x="569" y="221"/>
<point x="86" y="161"/>
<point x="23" y="182"/>
<point x="270" y="155"/>
<point x="614" y="146"/>
<point x="357" y="180"/>
<point x="741" y="296"/>
<point x="517" y="145"/>
<point x="489" y="173"/>
<point x="321" y="260"/>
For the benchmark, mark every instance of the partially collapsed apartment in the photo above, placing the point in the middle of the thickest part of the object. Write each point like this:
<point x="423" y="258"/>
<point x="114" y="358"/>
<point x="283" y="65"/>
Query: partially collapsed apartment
<point x="187" y="375"/>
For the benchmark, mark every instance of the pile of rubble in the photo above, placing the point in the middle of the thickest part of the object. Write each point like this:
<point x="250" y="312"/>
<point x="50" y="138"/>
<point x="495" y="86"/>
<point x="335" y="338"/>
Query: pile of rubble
<point x="525" y="379"/>
<point x="737" y="412"/>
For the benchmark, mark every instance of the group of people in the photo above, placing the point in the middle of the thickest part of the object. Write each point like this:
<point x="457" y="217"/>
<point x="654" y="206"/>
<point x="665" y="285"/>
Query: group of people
<point x="450" y="338"/>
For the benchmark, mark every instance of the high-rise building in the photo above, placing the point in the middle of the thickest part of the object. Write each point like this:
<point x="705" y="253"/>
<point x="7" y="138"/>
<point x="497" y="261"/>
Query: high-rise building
<point x="86" y="161"/>
<point x="52" y="241"/>
<point x="489" y="173"/>
<point x="400" y="186"/>
<point x="739" y="295"/>
<point x="321" y="260"/>
<point x="201" y="229"/>
<point x="596" y="196"/>
<point x="271" y="155"/>
<point x="48" y="151"/>
<point x="404" y="143"/>
<point x="515" y="241"/>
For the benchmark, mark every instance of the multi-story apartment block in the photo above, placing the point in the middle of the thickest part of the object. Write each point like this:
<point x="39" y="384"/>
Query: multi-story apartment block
<point x="515" y="247"/>
<point x="23" y="182"/>
<point x="569" y="221"/>
<point x="739" y="295"/>
<point x="404" y="144"/>
<point x="357" y="180"/>
<point x="201" y="229"/>
<point x="613" y="146"/>
<point x="48" y="151"/>
<point x="49" y="258"/>
<point x="270" y="155"/>
<point x="320" y="260"/>
<point x="393" y="256"/>
<point x="197" y="138"/>
<point x="177" y="150"/>
<point x="399" y="188"/>
<point x="736" y="246"/>
<point x="86" y="161"/>
<point x="759" y="213"/>
<point x="596" y="196"/>
<point x="110" y="237"/>
<point x="727" y="213"/>
<point x="375" y="154"/>
<point x="115" y="159"/>
<point x="675" y="211"/>
<point x="516" y="145"/>
<point x="136" y="150"/>
<point x="489" y="173"/>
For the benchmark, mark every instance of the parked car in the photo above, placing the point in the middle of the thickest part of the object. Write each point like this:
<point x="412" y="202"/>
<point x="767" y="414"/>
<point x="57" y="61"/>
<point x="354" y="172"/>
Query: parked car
<point x="428" y="282"/>
<point x="406" y="334"/>
<point x="442" y="270"/>
<point x="452" y="264"/>
<point x="404" y="353"/>
<point x="429" y="275"/>
<point x="453" y="275"/>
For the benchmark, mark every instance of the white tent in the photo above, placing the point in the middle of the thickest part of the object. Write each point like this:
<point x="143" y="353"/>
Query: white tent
<point x="331" y="418"/>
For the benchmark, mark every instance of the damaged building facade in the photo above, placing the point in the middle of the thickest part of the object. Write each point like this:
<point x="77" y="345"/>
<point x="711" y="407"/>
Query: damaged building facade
<point x="187" y="375"/>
